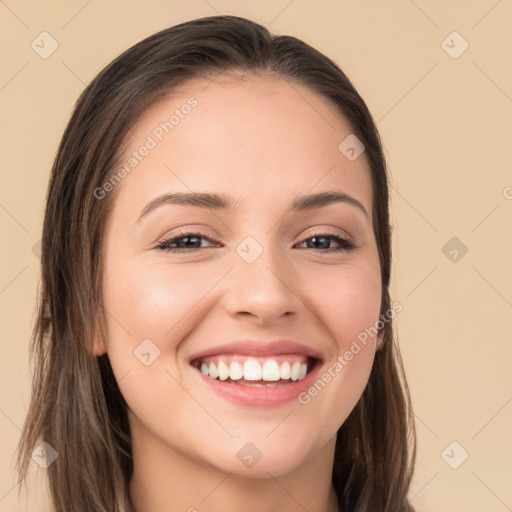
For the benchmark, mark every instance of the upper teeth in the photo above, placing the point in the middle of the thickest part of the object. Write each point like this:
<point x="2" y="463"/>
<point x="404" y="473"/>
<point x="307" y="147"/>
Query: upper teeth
<point x="252" y="369"/>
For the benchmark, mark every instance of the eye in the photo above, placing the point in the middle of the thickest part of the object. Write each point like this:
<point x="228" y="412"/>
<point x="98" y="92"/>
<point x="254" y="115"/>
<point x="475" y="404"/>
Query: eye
<point x="323" y="239"/>
<point x="187" y="242"/>
<point x="183" y="241"/>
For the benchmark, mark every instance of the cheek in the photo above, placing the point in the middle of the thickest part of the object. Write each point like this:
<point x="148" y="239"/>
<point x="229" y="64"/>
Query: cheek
<point x="156" y="302"/>
<point x="149" y="302"/>
<point x="347" y="300"/>
<point x="153" y="300"/>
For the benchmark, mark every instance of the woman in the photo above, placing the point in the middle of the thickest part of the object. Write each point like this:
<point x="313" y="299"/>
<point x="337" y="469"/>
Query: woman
<point x="257" y="371"/>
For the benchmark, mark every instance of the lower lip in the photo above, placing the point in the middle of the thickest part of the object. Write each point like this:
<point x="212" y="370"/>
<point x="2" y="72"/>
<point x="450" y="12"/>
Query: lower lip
<point x="260" y="396"/>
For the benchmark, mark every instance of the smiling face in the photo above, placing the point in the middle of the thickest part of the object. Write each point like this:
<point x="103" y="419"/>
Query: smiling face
<point x="269" y="267"/>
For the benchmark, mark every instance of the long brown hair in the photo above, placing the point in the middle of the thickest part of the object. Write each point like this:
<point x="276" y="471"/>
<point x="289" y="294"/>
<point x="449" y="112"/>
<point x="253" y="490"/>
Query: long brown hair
<point x="76" y="405"/>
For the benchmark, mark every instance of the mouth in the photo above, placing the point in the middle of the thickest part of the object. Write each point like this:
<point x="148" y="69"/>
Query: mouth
<point x="256" y="373"/>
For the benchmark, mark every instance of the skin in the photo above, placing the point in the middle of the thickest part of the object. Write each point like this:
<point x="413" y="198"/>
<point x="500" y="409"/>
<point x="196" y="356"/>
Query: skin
<point x="262" y="142"/>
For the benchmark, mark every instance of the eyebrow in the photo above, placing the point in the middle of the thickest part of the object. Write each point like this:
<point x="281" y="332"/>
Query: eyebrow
<point x="223" y="202"/>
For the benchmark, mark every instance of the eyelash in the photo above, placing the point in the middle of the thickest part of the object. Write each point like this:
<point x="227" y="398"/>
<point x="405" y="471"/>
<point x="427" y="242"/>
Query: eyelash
<point x="164" y="245"/>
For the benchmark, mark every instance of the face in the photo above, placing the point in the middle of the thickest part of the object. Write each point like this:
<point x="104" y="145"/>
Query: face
<point x="200" y="298"/>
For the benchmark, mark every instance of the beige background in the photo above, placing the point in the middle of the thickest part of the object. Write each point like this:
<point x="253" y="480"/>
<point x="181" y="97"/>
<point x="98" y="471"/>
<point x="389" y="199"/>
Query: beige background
<point x="446" y="126"/>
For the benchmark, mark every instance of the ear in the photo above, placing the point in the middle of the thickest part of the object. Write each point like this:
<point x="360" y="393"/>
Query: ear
<point x="380" y="341"/>
<point x="98" y="347"/>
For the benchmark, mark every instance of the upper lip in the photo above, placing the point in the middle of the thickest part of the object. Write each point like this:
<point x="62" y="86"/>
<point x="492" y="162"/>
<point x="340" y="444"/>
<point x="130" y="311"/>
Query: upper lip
<point x="259" y="349"/>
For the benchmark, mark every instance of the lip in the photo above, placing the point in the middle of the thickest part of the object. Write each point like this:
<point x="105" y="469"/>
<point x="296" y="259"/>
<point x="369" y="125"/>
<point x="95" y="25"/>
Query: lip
<point x="256" y="396"/>
<point x="264" y="397"/>
<point x="259" y="349"/>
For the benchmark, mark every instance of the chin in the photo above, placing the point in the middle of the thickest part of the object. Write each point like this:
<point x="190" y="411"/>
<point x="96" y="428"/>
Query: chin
<point x="260" y="457"/>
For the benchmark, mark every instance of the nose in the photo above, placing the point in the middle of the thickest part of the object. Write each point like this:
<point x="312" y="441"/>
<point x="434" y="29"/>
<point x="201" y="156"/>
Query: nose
<point x="266" y="289"/>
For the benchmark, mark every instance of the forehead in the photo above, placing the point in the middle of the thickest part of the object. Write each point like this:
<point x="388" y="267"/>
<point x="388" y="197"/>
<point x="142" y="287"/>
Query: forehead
<point x="258" y="138"/>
